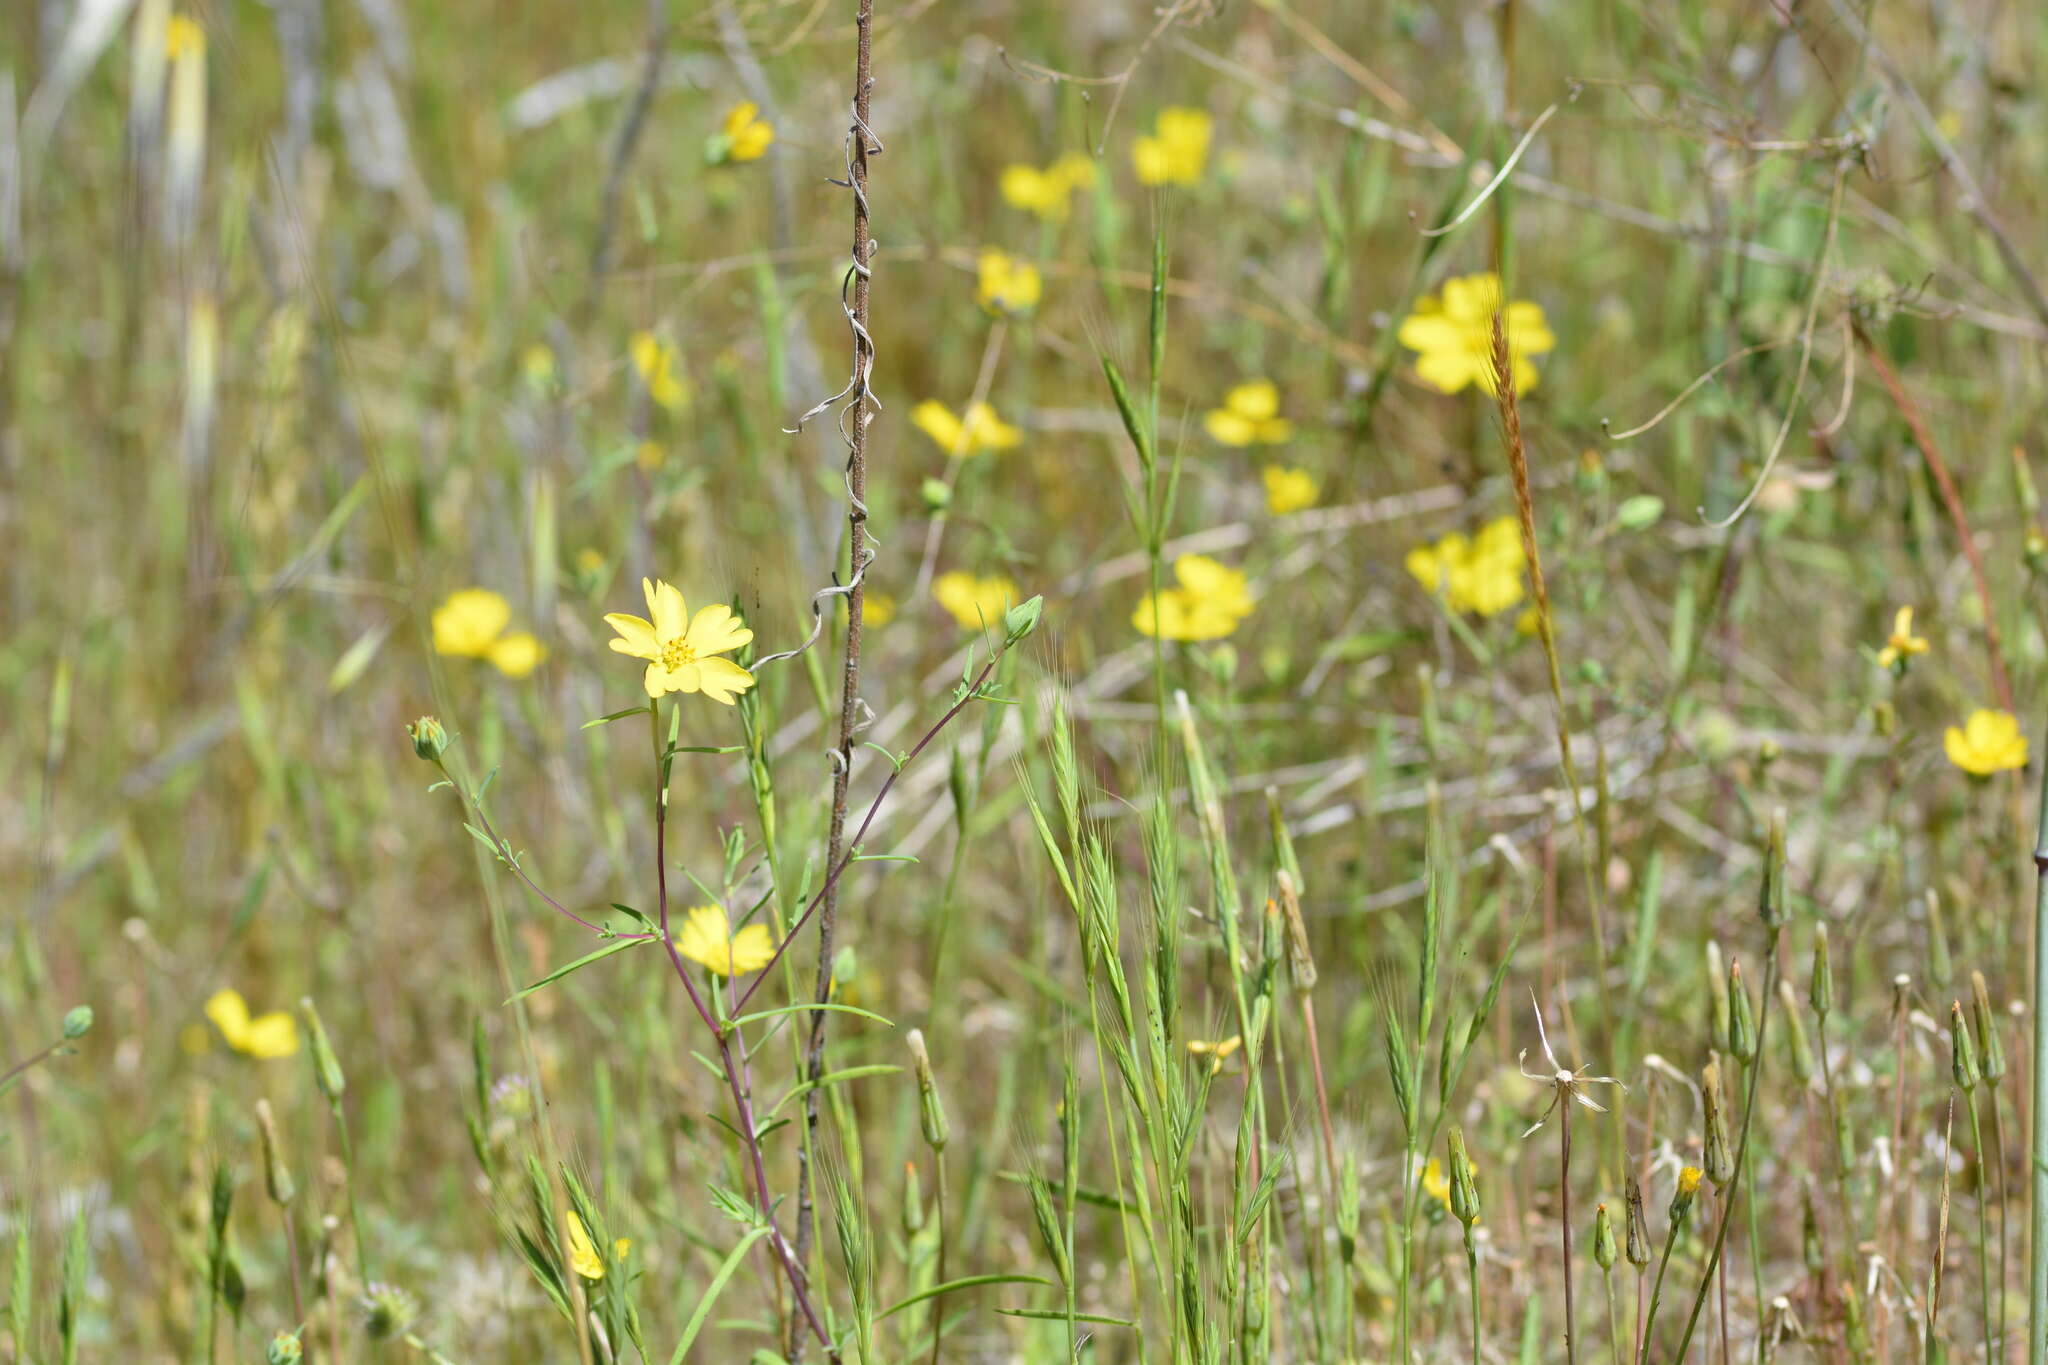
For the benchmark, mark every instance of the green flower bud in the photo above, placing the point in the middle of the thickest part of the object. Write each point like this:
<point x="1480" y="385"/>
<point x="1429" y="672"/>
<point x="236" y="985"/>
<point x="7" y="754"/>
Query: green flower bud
<point x="1795" y="1035"/>
<point x="326" y="1070"/>
<point x="77" y="1022"/>
<point x="1717" y="992"/>
<point x="1019" y="621"/>
<point x="1962" y="1052"/>
<point x="931" y="1111"/>
<point x="1987" y="1029"/>
<point x="913" y="1201"/>
<point x="1771" y="903"/>
<point x="429" y="738"/>
<point x="937" y="495"/>
<point x="284" y="1349"/>
<point x="1741" y="1017"/>
<point x="1820" y="992"/>
<point x="1604" y="1251"/>
<point x="1719" y="1160"/>
<point x="277" y="1177"/>
<point x="1464" y="1189"/>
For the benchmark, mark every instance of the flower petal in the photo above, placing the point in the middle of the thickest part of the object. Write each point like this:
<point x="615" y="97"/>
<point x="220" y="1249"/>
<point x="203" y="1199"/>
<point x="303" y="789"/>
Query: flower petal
<point x="666" y="608"/>
<point x="752" y="948"/>
<point x="230" y="1012"/>
<point x="636" y="637"/>
<point x="714" y="630"/>
<point x="722" y="679"/>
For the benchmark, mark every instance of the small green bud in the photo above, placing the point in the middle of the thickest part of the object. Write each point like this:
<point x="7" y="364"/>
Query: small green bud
<point x="326" y="1070"/>
<point x="1820" y="992"/>
<point x="1993" y="1048"/>
<point x="913" y="1201"/>
<point x="1719" y="1161"/>
<point x="277" y="1176"/>
<point x="1771" y="903"/>
<point x="1717" y="992"/>
<point x="1795" y="1035"/>
<point x="388" y="1311"/>
<point x="1962" y="1055"/>
<point x="284" y="1349"/>
<point x="937" y="494"/>
<point x="77" y="1022"/>
<point x="1741" y="1017"/>
<point x="1464" y="1188"/>
<point x="1639" y="511"/>
<point x="1019" y="621"/>
<point x="429" y="738"/>
<point x="931" y="1111"/>
<point x="1604" y="1251"/>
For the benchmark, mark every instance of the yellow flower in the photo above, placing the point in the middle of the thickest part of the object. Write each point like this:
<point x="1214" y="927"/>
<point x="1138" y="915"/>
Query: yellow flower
<point x="982" y="429"/>
<point x="1989" y="742"/>
<point x="877" y="609"/>
<point x="708" y="940"/>
<point x="1902" y="643"/>
<point x="975" y="602"/>
<point x="681" y="649"/>
<point x="654" y="360"/>
<point x="1215" y="1052"/>
<point x="1250" y="413"/>
<point x="1435" y="1183"/>
<point x="1689" y="1180"/>
<point x="1006" y="283"/>
<point x="744" y="136"/>
<point x="1207" y="603"/>
<point x="1453" y="335"/>
<point x="1481" y="575"/>
<point x="537" y="363"/>
<point x="650" y="456"/>
<point x="583" y="1257"/>
<point x="517" y="654"/>
<point x="468" y="621"/>
<point x="1289" y="490"/>
<point x="183" y="37"/>
<point x="1176" y="150"/>
<point x="264" y="1037"/>
<point x="1047" y="192"/>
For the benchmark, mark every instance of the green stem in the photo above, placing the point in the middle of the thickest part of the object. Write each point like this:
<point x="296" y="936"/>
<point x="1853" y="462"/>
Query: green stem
<point x="1756" y="1240"/>
<point x="2037" y="1244"/>
<point x="1613" y="1322"/>
<point x="1472" y="1277"/>
<point x="1657" y="1292"/>
<point x="1983" y="1230"/>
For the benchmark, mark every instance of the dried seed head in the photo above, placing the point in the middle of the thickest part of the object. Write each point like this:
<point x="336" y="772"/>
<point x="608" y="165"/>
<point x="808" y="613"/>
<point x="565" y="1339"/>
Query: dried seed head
<point x="1301" y="963"/>
<point x="1604" y="1252"/>
<point x="1637" y="1247"/>
<point x="1992" y="1050"/>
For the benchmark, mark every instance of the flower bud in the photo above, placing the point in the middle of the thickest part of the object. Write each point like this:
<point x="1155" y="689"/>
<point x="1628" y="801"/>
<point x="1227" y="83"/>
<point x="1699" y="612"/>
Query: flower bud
<point x="1301" y="963"/>
<point x="1604" y="1252"/>
<point x="1688" y="1188"/>
<point x="1962" y="1056"/>
<point x="388" y="1311"/>
<point x="1741" y="1017"/>
<point x="1718" y="1160"/>
<point x="931" y="1111"/>
<point x="1464" y="1189"/>
<point x="326" y="1070"/>
<point x="284" y="1349"/>
<point x="1717" y="992"/>
<point x="1820" y="992"/>
<point x="1795" y="1035"/>
<point x="1019" y="621"/>
<point x="937" y="495"/>
<point x="429" y="738"/>
<point x="77" y="1022"/>
<point x="1993" y="1049"/>
<point x="913" y="1201"/>
<point x="277" y="1177"/>
<point x="1771" y="903"/>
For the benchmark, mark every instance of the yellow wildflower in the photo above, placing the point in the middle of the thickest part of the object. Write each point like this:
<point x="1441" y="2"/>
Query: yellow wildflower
<point x="1481" y="575"/>
<point x="1047" y="192"/>
<point x="1435" y="1183"/>
<point x="974" y="601"/>
<point x="1989" y="742"/>
<point x="708" y="940"/>
<point x="681" y="649"/>
<point x="468" y="621"/>
<point x="1006" y="283"/>
<point x="654" y="360"/>
<point x="877" y="609"/>
<point x="962" y="439"/>
<point x="1215" y="1052"/>
<point x="183" y="37"/>
<point x="1176" y="150"/>
<point x="583" y="1257"/>
<point x="1207" y="603"/>
<point x="1289" y="490"/>
<point x="744" y="136"/>
<point x="1902" y="644"/>
<point x="537" y="363"/>
<point x="517" y="654"/>
<point x="264" y="1037"/>
<point x="1453" y="335"/>
<point x="1250" y="414"/>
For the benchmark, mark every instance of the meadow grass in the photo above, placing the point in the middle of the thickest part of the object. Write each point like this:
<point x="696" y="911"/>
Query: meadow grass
<point x="1296" y="734"/>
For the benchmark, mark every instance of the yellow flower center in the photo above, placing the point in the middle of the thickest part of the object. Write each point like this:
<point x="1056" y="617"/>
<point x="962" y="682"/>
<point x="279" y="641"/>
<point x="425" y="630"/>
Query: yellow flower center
<point x="676" y="653"/>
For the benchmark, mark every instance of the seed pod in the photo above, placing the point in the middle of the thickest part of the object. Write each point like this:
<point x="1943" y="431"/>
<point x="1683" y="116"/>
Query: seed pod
<point x="77" y="1022"/>
<point x="1741" y="1017"/>
<point x="1771" y="903"/>
<point x="1464" y="1189"/>
<point x="931" y="1111"/>
<point x="1988" y="1042"/>
<point x="1604" y="1253"/>
<point x="1637" y="1247"/>
<point x="1301" y="963"/>
<point x="1820" y="992"/>
<point x="1681" y="1199"/>
<point x="277" y="1177"/>
<point x="1962" y="1055"/>
<point x="326" y="1070"/>
<point x="1795" y="1035"/>
<point x="1719" y="1161"/>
